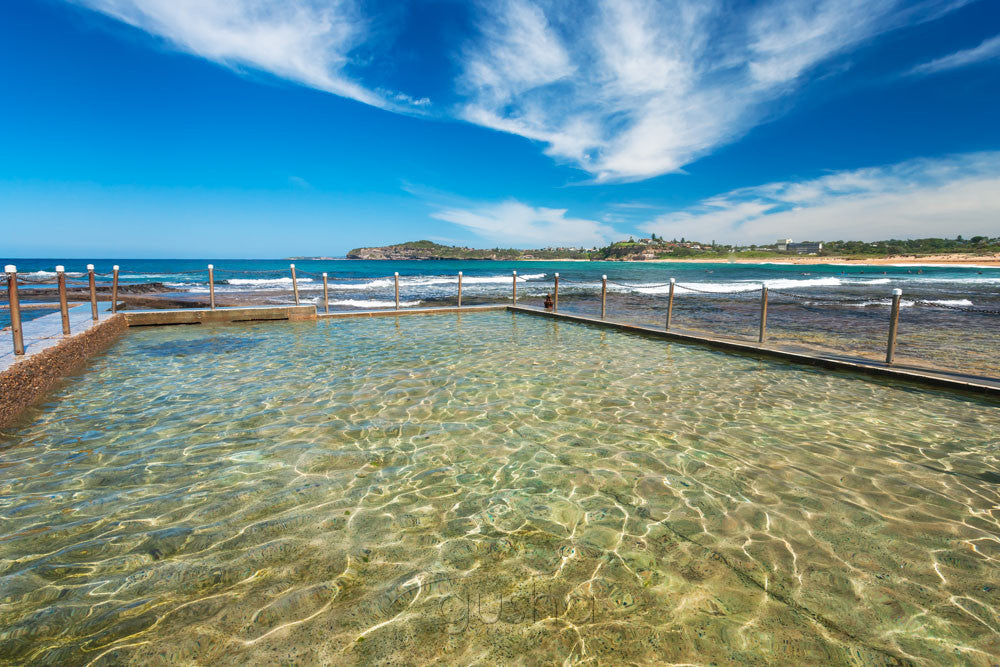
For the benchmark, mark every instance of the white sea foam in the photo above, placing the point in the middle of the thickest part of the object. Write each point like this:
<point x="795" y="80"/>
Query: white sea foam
<point x="903" y="303"/>
<point x="994" y="280"/>
<point x="948" y="302"/>
<point x="467" y="280"/>
<point x="949" y="265"/>
<point x="265" y="282"/>
<point x="723" y="288"/>
<point x="371" y="284"/>
<point x="370" y="303"/>
<point x="49" y="274"/>
<point x="135" y="276"/>
<point x="791" y="283"/>
<point x="429" y="281"/>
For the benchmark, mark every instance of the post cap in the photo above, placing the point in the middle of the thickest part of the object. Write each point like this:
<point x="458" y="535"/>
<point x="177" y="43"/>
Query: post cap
<point x="90" y="267"/>
<point x="673" y="280"/>
<point x="604" y="277"/>
<point x="115" y="267"/>
<point x="324" y="275"/>
<point x="292" y="265"/>
<point x="557" y="274"/>
<point x="60" y="269"/>
<point x="897" y="292"/>
<point x="459" y="273"/>
<point x="10" y="268"/>
<point x="211" y="266"/>
<point x="396" y="273"/>
<point x="515" y="273"/>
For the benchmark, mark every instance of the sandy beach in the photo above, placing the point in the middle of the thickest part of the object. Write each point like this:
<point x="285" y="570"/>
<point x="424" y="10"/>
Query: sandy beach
<point x="958" y="259"/>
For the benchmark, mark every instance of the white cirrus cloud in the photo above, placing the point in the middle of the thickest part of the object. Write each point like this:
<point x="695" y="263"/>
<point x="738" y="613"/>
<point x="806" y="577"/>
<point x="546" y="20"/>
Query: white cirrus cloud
<point x="913" y="199"/>
<point x="306" y="41"/>
<point x="622" y="89"/>
<point x="629" y="89"/>
<point x="513" y="223"/>
<point x="988" y="50"/>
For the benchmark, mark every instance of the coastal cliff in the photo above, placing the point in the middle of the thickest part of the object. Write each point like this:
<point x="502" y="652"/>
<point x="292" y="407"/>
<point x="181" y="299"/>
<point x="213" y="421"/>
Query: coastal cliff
<point x="431" y="250"/>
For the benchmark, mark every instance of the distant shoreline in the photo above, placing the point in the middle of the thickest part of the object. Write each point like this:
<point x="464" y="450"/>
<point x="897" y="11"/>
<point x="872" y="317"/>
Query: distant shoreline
<point x="956" y="259"/>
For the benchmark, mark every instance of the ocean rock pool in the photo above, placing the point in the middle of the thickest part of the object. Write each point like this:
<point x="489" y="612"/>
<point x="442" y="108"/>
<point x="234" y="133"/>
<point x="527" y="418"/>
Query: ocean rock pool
<point x="492" y="488"/>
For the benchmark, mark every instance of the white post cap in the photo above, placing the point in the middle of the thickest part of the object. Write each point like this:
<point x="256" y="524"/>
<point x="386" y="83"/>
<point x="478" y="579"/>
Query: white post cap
<point x="557" y="274"/>
<point x="90" y="267"/>
<point x="115" y="267"/>
<point x="60" y="269"/>
<point x="673" y="280"/>
<point x="324" y="275"/>
<point x="211" y="266"/>
<point x="459" y="273"/>
<point x="604" y="277"/>
<point x="897" y="292"/>
<point x="515" y="273"/>
<point x="396" y="274"/>
<point x="10" y="268"/>
<point x="292" y="265"/>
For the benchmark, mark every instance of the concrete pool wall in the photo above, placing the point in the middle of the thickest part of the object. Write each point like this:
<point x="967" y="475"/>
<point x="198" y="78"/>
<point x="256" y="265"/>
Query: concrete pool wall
<point x="51" y="356"/>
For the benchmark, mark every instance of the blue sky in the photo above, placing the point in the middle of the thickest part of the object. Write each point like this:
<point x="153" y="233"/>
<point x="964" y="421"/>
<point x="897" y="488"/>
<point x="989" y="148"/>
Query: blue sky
<point x="247" y="128"/>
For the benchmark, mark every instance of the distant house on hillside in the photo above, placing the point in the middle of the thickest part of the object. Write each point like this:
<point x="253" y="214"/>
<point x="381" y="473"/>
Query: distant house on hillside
<point x="808" y="248"/>
<point x="805" y="248"/>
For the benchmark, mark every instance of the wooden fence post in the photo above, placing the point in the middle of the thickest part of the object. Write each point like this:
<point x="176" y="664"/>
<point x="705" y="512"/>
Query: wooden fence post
<point x="63" y="306"/>
<point x="15" y="309"/>
<point x="211" y="286"/>
<point x="395" y="278"/>
<point x="763" y="314"/>
<point x="326" y="295"/>
<point x="555" y="298"/>
<point x="604" y="296"/>
<point x="93" y="292"/>
<point x="670" y="303"/>
<point x="114" y="289"/>
<point x="295" y="285"/>
<point x="890" y="351"/>
<point x="459" y="289"/>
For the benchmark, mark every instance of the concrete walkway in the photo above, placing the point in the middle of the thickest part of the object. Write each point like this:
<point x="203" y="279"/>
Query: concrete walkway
<point x="44" y="332"/>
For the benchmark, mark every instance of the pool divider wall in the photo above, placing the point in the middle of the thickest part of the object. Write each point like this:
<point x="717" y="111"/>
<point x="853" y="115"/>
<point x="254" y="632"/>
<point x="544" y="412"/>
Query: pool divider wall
<point x="144" y="318"/>
<point x="31" y="378"/>
<point x="855" y="365"/>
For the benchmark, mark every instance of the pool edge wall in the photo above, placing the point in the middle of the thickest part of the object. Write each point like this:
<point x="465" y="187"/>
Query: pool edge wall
<point x="29" y="380"/>
<point x="856" y="366"/>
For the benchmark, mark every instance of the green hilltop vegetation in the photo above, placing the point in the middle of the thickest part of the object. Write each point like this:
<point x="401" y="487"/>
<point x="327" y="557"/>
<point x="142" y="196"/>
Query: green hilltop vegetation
<point x="657" y="247"/>
<point x="431" y="250"/>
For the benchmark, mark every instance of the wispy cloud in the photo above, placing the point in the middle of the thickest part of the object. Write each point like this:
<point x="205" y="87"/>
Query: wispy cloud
<point x="512" y="223"/>
<point x="305" y="41"/>
<point x="988" y="50"/>
<point x="628" y="89"/>
<point x="906" y="200"/>
<point x="623" y="89"/>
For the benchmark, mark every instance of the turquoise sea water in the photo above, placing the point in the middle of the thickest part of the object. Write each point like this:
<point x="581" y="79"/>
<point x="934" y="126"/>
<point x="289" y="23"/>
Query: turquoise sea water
<point x="492" y="488"/>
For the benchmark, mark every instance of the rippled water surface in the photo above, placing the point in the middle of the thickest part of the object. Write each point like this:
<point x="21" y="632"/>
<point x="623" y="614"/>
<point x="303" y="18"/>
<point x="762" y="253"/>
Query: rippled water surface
<point x="492" y="488"/>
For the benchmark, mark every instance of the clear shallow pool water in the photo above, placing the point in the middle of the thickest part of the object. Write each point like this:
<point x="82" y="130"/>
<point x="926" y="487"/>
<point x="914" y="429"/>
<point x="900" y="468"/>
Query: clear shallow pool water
<point x="495" y="488"/>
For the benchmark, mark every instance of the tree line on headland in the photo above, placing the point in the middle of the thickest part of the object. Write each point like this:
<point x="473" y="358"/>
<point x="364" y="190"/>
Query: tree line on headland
<point x="657" y="247"/>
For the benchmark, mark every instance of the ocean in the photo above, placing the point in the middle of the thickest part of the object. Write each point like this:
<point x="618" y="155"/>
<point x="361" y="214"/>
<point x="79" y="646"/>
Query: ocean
<point x="950" y="313"/>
